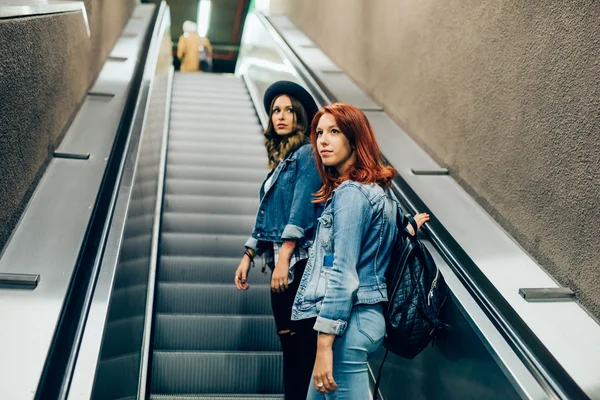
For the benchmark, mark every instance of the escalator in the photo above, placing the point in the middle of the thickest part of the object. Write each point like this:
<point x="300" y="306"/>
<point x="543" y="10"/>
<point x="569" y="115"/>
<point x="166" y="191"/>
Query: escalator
<point x="210" y="339"/>
<point x="163" y="319"/>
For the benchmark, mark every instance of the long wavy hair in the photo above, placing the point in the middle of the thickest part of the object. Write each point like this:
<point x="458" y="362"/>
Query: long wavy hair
<point x="369" y="167"/>
<point x="279" y="147"/>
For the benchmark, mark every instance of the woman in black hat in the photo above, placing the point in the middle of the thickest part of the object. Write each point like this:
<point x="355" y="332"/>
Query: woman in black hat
<point x="285" y="225"/>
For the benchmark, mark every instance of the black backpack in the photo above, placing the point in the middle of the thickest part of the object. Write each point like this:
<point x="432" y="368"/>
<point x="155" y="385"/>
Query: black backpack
<point x="416" y="293"/>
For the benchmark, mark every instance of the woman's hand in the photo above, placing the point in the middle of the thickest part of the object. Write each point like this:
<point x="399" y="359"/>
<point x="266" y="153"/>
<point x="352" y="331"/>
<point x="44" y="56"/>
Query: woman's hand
<point x="279" y="279"/>
<point x="420" y="219"/>
<point x="323" y="370"/>
<point x="241" y="274"/>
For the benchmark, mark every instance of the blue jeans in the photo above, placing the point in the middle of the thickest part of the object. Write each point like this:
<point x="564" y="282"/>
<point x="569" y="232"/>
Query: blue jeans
<point x="351" y="351"/>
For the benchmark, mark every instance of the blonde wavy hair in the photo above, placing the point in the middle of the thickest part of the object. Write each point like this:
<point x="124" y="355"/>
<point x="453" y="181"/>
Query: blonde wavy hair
<point x="279" y="147"/>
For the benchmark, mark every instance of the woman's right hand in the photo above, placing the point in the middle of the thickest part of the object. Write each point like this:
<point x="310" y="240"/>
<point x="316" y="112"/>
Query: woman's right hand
<point x="420" y="219"/>
<point x="241" y="274"/>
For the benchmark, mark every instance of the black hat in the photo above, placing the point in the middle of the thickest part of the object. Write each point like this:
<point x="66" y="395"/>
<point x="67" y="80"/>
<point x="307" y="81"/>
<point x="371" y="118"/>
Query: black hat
<point x="293" y="90"/>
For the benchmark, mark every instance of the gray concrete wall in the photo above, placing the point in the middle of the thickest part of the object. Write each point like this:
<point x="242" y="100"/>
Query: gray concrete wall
<point x="47" y="64"/>
<point x="505" y="93"/>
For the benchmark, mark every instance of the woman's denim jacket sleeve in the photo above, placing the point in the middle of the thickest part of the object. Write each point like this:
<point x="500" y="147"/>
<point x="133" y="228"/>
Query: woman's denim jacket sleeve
<point x="286" y="210"/>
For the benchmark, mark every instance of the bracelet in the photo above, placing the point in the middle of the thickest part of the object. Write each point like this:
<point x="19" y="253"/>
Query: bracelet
<point x="250" y="256"/>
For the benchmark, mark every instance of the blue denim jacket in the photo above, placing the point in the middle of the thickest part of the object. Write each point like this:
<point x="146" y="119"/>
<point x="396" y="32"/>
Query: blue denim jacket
<point x="348" y="260"/>
<point x="286" y="210"/>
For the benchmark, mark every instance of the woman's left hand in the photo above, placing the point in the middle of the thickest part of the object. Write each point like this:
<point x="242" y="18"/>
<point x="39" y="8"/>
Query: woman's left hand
<point x="279" y="279"/>
<point x="323" y="370"/>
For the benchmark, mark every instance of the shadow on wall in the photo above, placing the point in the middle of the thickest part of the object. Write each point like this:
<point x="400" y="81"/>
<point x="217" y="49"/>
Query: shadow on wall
<point x="47" y="64"/>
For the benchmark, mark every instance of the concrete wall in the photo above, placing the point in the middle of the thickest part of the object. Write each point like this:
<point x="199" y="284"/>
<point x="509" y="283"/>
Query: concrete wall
<point x="505" y="93"/>
<point x="47" y="64"/>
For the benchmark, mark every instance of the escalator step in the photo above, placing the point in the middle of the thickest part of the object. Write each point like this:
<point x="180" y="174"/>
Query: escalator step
<point x="217" y="372"/>
<point x="206" y="270"/>
<point x="191" y="244"/>
<point x="207" y="117"/>
<point x="209" y="135"/>
<point x="225" y="128"/>
<point x="189" y="108"/>
<point x="216" y="160"/>
<point x="215" y="332"/>
<point x="211" y="205"/>
<point x="208" y="223"/>
<point x="200" y="298"/>
<point x="227" y="149"/>
<point x="217" y="174"/>
<point x="216" y="397"/>
<point x="214" y="188"/>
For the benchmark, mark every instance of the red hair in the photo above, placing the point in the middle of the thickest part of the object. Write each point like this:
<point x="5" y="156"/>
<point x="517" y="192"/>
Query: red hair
<point x="369" y="166"/>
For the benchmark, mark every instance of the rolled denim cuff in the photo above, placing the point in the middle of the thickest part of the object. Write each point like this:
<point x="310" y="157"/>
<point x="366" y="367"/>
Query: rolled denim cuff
<point x="330" y="326"/>
<point x="252" y="243"/>
<point x="292" y="232"/>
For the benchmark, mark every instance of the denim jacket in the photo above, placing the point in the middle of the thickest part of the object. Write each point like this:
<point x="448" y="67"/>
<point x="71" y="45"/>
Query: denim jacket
<point x="348" y="260"/>
<point x="286" y="210"/>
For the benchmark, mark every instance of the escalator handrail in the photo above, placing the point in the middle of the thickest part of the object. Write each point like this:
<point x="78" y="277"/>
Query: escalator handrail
<point x="144" y="384"/>
<point x="537" y="358"/>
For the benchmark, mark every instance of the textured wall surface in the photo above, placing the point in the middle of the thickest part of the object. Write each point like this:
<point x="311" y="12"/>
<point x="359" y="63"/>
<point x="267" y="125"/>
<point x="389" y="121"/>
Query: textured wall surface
<point x="506" y="94"/>
<point x="42" y="80"/>
<point x="47" y="63"/>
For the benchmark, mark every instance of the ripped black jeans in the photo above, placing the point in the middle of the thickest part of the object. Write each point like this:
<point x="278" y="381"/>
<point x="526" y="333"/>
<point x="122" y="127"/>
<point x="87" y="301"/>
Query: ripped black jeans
<point x="298" y="343"/>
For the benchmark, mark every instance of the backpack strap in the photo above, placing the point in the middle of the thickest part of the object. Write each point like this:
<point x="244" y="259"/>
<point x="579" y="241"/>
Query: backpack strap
<point x="378" y="381"/>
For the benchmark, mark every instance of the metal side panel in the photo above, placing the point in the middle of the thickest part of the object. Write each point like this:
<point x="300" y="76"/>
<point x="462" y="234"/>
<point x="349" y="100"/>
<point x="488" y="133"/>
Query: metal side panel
<point x="110" y="368"/>
<point x="49" y="237"/>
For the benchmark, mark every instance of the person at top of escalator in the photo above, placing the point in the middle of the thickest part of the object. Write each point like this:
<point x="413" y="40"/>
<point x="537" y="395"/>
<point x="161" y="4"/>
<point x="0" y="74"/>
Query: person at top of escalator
<point x="193" y="50"/>
<point x="285" y="224"/>
<point x="343" y="286"/>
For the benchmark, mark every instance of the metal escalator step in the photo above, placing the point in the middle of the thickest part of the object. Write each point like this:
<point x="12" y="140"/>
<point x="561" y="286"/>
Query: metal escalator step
<point x="207" y="223"/>
<point x="208" y="117"/>
<point x="226" y="149"/>
<point x="226" y="127"/>
<point x="201" y="244"/>
<point x="222" y="96"/>
<point x="211" y="204"/>
<point x="216" y="160"/>
<point x="206" y="270"/>
<point x="215" y="332"/>
<point x="217" y="372"/>
<point x="215" y="188"/>
<point x="200" y="298"/>
<point x="208" y="86"/>
<point x="206" y="135"/>
<point x="220" y="174"/>
<point x="217" y="397"/>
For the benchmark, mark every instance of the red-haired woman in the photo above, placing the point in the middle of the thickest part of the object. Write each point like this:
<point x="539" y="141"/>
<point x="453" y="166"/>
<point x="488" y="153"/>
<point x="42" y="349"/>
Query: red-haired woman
<point x="343" y="286"/>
